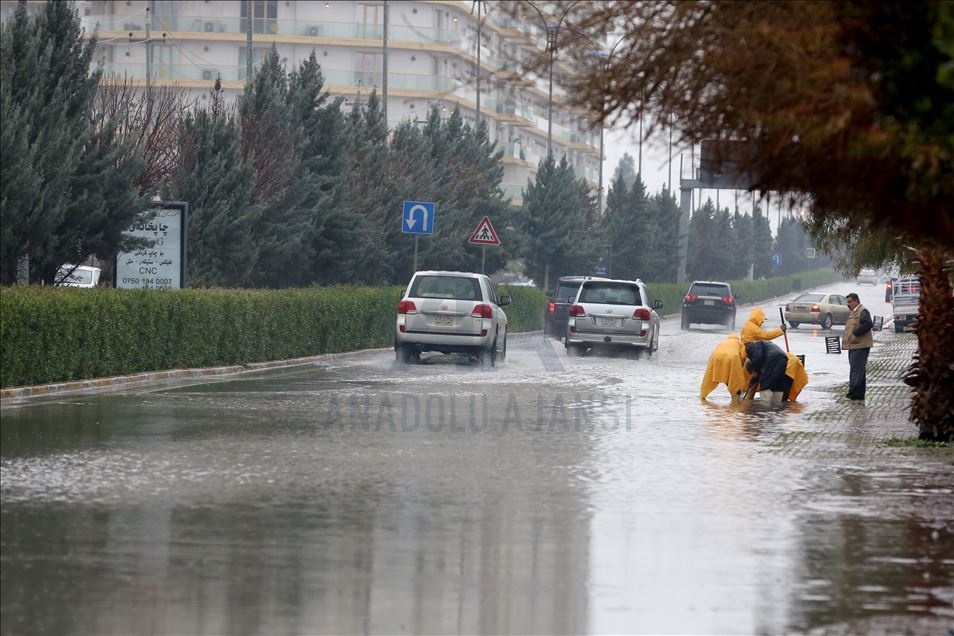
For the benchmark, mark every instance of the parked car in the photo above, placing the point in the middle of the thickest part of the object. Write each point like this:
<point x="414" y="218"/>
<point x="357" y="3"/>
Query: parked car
<point x="613" y="314"/>
<point x="709" y="302"/>
<point x="907" y="298"/>
<point x="555" y="318"/>
<point x="867" y="277"/>
<point x="820" y="309"/>
<point x="451" y="312"/>
<point x="77" y="276"/>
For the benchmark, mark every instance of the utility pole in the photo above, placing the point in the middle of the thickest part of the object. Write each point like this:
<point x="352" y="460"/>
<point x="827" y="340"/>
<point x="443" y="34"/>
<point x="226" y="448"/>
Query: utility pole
<point x="148" y="53"/>
<point x="248" y="41"/>
<point x="478" y="61"/>
<point x="384" y="60"/>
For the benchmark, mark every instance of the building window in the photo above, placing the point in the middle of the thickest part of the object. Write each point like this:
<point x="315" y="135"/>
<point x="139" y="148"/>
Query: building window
<point x="258" y="54"/>
<point x="264" y="16"/>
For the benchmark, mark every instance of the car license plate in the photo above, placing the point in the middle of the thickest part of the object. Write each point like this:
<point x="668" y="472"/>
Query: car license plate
<point x="708" y="302"/>
<point x="444" y="320"/>
<point x="609" y="322"/>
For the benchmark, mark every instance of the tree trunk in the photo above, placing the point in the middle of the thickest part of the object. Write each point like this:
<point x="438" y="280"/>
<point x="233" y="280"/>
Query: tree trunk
<point x="932" y="373"/>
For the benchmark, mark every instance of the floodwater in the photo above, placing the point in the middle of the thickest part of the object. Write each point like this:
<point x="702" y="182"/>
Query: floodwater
<point x="551" y="495"/>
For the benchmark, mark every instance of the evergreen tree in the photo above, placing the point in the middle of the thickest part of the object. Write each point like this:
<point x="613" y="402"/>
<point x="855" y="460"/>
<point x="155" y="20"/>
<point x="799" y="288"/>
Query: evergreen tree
<point x="742" y="233"/>
<point x="791" y="243"/>
<point x="217" y="182"/>
<point x="662" y="255"/>
<point x="331" y="240"/>
<point x="627" y="228"/>
<point x="626" y="168"/>
<point x="57" y="158"/>
<point x="555" y="221"/>
<point x="370" y="191"/>
<point x="761" y="245"/>
<point x="725" y="251"/>
<point x="701" y="244"/>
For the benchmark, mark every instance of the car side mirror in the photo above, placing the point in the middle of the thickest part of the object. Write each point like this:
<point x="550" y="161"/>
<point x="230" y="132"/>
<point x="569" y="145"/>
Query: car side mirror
<point x="657" y="304"/>
<point x="504" y="301"/>
<point x="738" y="296"/>
<point x="403" y="291"/>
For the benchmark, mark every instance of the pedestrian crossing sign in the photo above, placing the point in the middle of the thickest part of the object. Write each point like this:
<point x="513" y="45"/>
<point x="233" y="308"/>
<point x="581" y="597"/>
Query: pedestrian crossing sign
<point x="484" y="234"/>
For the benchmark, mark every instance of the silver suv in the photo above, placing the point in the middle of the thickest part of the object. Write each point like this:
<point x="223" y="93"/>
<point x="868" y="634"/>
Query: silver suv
<point x="451" y="312"/>
<point x="613" y="313"/>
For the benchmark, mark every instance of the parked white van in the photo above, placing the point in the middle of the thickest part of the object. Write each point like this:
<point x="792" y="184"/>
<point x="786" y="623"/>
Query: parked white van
<point x="78" y="276"/>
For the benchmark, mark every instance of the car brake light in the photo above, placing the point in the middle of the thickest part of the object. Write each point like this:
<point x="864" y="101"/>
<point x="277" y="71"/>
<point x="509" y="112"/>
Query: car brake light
<point x="482" y="311"/>
<point x="691" y="297"/>
<point x="576" y="310"/>
<point x="552" y="307"/>
<point x="641" y="314"/>
<point x="816" y="308"/>
<point x="727" y="300"/>
<point x="407" y="307"/>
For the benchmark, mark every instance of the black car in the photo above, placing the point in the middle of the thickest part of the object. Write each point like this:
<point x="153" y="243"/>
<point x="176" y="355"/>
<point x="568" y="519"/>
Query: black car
<point x="709" y="302"/>
<point x="555" y="319"/>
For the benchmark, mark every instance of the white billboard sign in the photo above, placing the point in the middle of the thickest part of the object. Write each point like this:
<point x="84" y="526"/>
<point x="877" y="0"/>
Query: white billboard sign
<point x="161" y="265"/>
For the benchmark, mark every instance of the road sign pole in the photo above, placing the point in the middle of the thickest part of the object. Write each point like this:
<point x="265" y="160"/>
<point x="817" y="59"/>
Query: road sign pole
<point x="416" y="239"/>
<point x="483" y="259"/>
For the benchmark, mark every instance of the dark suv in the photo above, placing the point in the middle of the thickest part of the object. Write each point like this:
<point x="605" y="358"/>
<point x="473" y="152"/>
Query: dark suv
<point x="555" y="319"/>
<point x="709" y="302"/>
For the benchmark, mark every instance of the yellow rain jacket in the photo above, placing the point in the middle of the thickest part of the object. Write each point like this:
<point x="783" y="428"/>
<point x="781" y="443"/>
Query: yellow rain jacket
<point x="752" y="329"/>
<point x="796" y="372"/>
<point x="726" y="366"/>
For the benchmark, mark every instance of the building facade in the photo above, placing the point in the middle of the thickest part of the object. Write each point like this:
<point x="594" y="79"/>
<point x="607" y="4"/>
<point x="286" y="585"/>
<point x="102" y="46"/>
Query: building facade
<point x="431" y="57"/>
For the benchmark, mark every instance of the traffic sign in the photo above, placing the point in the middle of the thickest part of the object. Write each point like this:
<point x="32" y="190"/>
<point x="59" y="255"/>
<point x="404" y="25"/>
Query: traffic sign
<point x="777" y="259"/>
<point x="484" y="234"/>
<point x="418" y="217"/>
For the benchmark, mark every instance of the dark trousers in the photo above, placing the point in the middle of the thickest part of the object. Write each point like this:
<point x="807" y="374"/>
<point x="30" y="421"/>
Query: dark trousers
<point x="857" y="360"/>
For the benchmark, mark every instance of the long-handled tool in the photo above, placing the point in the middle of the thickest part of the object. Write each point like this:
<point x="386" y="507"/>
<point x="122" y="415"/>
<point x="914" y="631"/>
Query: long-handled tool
<point x="784" y="331"/>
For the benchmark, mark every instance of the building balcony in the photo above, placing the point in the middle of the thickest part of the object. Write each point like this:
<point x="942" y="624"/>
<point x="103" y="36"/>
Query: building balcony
<point x="271" y="27"/>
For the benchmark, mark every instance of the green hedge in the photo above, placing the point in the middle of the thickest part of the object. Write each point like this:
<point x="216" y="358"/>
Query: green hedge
<point x="752" y="291"/>
<point x="55" y="334"/>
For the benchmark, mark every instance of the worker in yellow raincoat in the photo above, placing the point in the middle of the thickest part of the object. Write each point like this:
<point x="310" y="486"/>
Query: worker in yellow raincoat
<point x="726" y="366"/>
<point x="752" y="329"/>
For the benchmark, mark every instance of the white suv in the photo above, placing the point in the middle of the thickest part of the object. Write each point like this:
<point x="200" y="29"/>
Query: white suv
<point x="451" y="312"/>
<point x="613" y="313"/>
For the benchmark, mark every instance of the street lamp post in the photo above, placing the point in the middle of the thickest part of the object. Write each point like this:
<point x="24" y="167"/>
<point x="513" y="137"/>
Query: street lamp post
<point x="553" y="32"/>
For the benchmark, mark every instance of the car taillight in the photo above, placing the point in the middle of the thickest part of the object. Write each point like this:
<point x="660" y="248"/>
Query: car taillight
<point x="576" y="310"/>
<point x="482" y="311"/>
<point x="728" y="300"/>
<point x="407" y="307"/>
<point x="641" y="314"/>
<point x="552" y="307"/>
<point x="816" y="308"/>
<point x="690" y="297"/>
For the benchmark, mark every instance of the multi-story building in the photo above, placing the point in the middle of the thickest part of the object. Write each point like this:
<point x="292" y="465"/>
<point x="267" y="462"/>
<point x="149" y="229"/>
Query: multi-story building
<point x="431" y="57"/>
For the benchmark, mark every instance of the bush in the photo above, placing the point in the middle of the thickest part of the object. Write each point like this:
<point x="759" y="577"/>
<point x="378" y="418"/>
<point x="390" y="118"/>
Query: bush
<point x="57" y="334"/>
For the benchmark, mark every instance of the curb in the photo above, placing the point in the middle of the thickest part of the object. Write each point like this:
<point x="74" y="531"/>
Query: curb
<point x="102" y="385"/>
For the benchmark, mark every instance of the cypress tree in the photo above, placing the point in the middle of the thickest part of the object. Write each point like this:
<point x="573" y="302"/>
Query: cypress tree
<point x="57" y="158"/>
<point x="761" y="245"/>
<point x="662" y="258"/>
<point x="217" y="182"/>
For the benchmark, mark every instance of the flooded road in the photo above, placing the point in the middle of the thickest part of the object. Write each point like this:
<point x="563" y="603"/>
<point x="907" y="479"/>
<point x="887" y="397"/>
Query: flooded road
<point x="550" y="495"/>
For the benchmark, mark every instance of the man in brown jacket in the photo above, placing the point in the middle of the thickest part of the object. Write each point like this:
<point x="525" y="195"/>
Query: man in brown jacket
<point x="857" y="340"/>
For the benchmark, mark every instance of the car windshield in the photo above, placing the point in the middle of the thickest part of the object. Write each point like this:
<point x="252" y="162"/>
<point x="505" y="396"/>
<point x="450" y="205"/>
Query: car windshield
<point x="446" y="287"/>
<point x="611" y="294"/>
<point x="810" y="298"/>
<point x="82" y="276"/>
<point x="567" y="290"/>
<point x="709" y="289"/>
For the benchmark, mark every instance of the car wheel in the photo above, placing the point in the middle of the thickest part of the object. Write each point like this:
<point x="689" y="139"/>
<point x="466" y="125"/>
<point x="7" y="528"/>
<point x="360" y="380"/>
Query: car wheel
<point x="488" y="357"/>
<point x="403" y="354"/>
<point x="655" y="346"/>
<point x="898" y="328"/>
<point x="685" y="322"/>
<point x="826" y="321"/>
<point x="503" y="352"/>
<point x="793" y="324"/>
<point x="730" y="323"/>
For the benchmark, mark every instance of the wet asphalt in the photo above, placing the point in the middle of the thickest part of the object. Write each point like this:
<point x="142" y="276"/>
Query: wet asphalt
<point x="549" y="495"/>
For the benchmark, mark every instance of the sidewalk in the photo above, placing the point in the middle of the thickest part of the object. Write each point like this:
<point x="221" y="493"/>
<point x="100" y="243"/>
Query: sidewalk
<point x="880" y="494"/>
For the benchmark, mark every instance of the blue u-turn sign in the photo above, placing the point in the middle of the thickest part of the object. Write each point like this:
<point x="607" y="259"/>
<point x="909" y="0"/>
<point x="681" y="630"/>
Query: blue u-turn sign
<point x="418" y="217"/>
